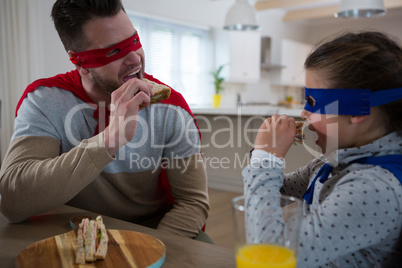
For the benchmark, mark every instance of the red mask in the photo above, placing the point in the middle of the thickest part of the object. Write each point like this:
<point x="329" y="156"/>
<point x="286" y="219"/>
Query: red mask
<point x="99" y="57"/>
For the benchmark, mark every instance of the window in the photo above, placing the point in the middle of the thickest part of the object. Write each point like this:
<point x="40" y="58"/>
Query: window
<point x="178" y="55"/>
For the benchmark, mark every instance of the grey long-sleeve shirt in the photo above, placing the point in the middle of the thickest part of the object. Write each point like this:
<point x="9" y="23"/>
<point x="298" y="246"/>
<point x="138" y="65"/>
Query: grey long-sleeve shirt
<point x="54" y="158"/>
<point x="355" y="219"/>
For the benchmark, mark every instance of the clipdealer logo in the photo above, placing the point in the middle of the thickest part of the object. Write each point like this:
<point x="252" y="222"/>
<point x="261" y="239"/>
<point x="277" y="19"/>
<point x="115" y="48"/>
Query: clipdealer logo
<point x="154" y="164"/>
<point x="239" y="132"/>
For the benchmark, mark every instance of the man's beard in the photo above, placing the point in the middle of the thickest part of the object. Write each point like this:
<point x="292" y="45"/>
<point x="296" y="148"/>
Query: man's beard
<point x="106" y="85"/>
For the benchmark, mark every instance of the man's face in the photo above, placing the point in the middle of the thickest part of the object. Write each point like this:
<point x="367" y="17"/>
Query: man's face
<point x="106" y="32"/>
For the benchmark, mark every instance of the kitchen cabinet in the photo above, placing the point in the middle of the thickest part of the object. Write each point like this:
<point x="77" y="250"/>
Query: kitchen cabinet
<point x="292" y="57"/>
<point x="240" y="52"/>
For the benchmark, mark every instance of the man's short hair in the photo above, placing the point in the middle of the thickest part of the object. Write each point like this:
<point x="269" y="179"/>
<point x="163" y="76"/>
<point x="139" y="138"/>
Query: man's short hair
<point x="69" y="17"/>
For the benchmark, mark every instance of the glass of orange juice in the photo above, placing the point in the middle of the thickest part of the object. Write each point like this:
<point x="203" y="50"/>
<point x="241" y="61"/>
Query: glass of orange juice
<point x="266" y="231"/>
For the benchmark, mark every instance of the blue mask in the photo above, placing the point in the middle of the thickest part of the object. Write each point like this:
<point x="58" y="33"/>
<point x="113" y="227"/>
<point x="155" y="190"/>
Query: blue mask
<point x="348" y="101"/>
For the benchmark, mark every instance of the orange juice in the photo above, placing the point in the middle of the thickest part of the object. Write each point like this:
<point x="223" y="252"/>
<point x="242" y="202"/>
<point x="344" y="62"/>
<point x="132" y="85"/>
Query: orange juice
<point x="265" y="256"/>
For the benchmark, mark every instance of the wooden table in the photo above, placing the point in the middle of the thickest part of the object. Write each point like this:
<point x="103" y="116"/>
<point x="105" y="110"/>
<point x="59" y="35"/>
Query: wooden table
<point x="180" y="252"/>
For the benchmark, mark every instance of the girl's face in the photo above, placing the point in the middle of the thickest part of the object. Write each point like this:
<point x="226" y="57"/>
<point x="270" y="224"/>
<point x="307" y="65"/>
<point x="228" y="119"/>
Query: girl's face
<point x="331" y="129"/>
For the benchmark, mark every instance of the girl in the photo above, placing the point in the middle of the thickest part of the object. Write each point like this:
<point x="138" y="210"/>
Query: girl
<point x="352" y="193"/>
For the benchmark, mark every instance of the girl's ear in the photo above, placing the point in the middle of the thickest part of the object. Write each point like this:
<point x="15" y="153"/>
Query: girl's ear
<point x="357" y="119"/>
<point x="83" y="71"/>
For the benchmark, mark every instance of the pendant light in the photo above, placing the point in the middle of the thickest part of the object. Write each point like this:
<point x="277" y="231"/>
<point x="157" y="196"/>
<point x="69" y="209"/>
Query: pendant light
<point x="241" y="17"/>
<point x="361" y="8"/>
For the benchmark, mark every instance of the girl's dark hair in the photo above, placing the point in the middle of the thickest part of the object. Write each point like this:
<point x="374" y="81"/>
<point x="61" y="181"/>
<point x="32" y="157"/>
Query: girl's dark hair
<point x="69" y="16"/>
<point x="363" y="60"/>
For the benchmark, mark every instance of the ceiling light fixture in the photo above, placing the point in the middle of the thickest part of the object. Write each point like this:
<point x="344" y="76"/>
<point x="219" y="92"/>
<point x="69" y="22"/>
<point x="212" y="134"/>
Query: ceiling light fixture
<point x="360" y="8"/>
<point x="241" y="17"/>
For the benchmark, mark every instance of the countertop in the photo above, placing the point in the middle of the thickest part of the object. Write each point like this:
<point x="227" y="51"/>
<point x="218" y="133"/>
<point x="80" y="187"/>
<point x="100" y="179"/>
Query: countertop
<point x="251" y="110"/>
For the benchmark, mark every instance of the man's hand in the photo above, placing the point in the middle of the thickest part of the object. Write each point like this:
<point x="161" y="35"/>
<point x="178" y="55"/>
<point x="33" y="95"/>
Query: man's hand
<point x="124" y="107"/>
<point x="276" y="135"/>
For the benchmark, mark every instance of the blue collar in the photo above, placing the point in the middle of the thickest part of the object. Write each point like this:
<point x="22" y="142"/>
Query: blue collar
<point x="393" y="163"/>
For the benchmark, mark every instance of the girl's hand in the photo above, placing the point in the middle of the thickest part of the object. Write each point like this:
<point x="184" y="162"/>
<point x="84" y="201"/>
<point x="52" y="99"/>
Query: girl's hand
<point x="276" y="135"/>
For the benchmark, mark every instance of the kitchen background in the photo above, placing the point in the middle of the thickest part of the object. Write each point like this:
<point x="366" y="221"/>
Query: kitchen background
<point x="261" y="68"/>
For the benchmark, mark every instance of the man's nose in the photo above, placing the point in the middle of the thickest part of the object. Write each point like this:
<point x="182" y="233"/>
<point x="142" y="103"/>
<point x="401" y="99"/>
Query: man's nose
<point x="132" y="58"/>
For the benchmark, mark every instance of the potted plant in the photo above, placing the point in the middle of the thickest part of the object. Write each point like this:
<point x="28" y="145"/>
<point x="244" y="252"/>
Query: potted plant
<point x="218" y="80"/>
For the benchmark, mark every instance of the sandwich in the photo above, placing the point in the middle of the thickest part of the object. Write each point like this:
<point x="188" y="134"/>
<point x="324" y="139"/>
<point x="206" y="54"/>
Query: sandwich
<point x="92" y="240"/>
<point x="299" y="137"/>
<point x="161" y="92"/>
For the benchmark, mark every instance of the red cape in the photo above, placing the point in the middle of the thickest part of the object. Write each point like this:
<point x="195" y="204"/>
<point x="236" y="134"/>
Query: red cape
<point x="71" y="81"/>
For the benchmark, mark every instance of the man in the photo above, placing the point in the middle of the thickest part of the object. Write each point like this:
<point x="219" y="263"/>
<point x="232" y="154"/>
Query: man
<point x="67" y="149"/>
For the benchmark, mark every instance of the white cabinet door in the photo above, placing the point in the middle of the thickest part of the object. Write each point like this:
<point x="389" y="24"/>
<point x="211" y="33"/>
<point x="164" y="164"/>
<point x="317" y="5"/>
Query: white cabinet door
<point x="240" y="52"/>
<point x="245" y="56"/>
<point x="293" y="55"/>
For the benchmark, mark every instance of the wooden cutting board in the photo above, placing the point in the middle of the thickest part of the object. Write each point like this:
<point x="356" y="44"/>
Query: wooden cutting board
<point x="125" y="249"/>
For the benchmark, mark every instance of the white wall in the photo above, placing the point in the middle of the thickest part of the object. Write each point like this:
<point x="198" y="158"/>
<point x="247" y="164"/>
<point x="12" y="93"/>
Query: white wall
<point x="320" y="29"/>
<point x="56" y="59"/>
<point x="203" y="12"/>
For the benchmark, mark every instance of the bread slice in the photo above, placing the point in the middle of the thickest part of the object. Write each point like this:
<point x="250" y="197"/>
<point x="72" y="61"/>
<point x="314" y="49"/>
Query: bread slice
<point x="80" y="257"/>
<point x="102" y="239"/>
<point x="89" y="244"/>
<point x="161" y="92"/>
<point x="300" y="137"/>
